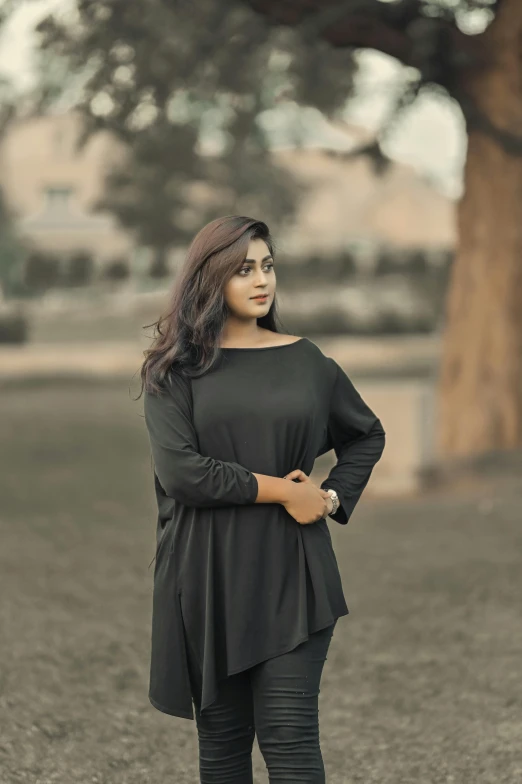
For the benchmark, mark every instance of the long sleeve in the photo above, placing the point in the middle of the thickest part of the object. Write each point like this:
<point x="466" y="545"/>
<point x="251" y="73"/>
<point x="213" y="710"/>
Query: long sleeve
<point x="185" y="474"/>
<point x="358" y="438"/>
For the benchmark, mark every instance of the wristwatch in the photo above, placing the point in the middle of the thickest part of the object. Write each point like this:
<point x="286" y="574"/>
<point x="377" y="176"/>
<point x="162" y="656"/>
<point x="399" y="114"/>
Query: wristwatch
<point x="335" y="500"/>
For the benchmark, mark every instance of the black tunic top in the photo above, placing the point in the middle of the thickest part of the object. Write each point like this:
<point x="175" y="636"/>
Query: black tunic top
<point x="237" y="582"/>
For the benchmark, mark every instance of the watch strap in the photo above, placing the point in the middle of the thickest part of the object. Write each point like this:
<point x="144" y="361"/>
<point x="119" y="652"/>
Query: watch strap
<point x="335" y="499"/>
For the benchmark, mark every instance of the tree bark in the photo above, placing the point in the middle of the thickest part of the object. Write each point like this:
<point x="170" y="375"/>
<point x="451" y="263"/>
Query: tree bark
<point x="480" y="380"/>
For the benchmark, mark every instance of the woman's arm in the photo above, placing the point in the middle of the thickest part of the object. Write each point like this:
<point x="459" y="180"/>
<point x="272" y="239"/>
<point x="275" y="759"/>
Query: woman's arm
<point x="273" y="489"/>
<point x="185" y="474"/>
<point x="358" y="438"/>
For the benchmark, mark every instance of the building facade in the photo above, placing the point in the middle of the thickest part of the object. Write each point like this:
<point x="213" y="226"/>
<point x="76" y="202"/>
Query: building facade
<point x="52" y="187"/>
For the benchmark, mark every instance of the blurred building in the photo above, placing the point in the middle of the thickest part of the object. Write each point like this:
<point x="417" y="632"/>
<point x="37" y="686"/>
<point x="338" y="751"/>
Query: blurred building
<point x="345" y="203"/>
<point x="52" y="186"/>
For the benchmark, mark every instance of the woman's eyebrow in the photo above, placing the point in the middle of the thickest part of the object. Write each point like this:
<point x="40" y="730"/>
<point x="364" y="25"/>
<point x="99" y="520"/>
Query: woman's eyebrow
<point x="253" y="261"/>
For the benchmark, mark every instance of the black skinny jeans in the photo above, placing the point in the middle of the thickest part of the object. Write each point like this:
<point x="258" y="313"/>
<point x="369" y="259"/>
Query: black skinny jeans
<point x="277" y="700"/>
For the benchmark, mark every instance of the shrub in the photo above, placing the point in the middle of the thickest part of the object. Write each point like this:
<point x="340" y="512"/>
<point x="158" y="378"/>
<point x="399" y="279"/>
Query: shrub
<point x="388" y="261"/>
<point x="116" y="270"/>
<point x="78" y="269"/>
<point x="41" y="271"/>
<point x="13" y="327"/>
<point x="416" y="262"/>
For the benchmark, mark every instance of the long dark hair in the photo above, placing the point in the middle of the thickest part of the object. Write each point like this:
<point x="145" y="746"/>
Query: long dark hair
<point x="187" y="333"/>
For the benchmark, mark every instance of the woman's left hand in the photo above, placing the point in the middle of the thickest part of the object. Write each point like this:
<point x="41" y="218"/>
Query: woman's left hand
<point x="302" y="477"/>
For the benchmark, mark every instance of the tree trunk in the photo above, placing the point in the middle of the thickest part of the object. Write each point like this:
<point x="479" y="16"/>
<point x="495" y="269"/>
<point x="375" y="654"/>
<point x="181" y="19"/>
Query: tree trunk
<point x="480" y="383"/>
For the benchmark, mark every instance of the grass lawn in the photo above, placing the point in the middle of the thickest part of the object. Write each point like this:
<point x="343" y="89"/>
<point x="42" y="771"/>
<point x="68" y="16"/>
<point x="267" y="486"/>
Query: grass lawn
<point x="422" y="682"/>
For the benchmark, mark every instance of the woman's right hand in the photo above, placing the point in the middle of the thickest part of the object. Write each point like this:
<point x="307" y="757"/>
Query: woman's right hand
<point x="306" y="502"/>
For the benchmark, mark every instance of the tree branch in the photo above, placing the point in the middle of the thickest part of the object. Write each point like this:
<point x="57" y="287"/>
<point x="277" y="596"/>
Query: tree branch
<point x="371" y="150"/>
<point x="433" y="44"/>
<point x="355" y="23"/>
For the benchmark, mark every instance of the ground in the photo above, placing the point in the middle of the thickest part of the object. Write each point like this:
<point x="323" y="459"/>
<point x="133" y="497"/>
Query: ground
<point x="422" y="681"/>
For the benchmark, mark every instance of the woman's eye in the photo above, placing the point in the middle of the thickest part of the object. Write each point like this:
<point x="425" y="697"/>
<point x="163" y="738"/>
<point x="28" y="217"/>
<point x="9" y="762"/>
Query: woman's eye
<point x="247" y="269"/>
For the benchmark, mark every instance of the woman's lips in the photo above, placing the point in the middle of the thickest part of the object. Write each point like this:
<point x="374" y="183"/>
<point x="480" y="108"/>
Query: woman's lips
<point x="261" y="298"/>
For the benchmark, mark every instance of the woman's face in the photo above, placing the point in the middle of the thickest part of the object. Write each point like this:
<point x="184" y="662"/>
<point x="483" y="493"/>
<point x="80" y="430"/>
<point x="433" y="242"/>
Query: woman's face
<point x="256" y="276"/>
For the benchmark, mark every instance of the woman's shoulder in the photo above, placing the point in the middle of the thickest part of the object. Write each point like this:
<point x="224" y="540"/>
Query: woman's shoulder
<point x="323" y="362"/>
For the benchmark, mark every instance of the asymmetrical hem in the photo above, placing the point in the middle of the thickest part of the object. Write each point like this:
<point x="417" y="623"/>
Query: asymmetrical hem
<point x="290" y="647"/>
<point x="235" y="582"/>
<point x="177" y="712"/>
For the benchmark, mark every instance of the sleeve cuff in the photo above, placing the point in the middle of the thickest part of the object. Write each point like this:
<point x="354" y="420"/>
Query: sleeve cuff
<point x="254" y="489"/>
<point x="345" y="507"/>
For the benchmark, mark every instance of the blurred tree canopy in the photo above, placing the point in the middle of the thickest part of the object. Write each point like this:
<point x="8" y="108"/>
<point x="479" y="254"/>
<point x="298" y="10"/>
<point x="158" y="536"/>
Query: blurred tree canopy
<point x="160" y="73"/>
<point x="161" y="76"/>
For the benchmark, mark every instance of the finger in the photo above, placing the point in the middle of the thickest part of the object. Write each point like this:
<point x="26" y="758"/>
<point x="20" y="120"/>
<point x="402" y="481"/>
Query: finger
<point x="296" y="474"/>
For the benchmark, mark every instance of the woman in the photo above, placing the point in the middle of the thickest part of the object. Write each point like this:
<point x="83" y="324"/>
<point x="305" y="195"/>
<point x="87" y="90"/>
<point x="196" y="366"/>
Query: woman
<point x="247" y="590"/>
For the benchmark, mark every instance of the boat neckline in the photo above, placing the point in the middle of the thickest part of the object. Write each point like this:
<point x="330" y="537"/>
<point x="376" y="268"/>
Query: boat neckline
<point x="260" y="348"/>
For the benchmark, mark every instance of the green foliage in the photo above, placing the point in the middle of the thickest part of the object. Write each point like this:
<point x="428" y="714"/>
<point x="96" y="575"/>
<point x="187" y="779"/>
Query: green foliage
<point x="12" y="252"/>
<point x="167" y="77"/>
<point x="116" y="270"/>
<point x="164" y="77"/>
<point x="41" y="272"/>
<point x="430" y="37"/>
<point x="11" y="248"/>
<point x="78" y="269"/>
<point x="159" y="267"/>
<point x="14" y="327"/>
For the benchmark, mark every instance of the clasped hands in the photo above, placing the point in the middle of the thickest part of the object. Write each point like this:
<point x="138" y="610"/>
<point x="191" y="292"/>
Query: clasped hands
<point x="306" y="502"/>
